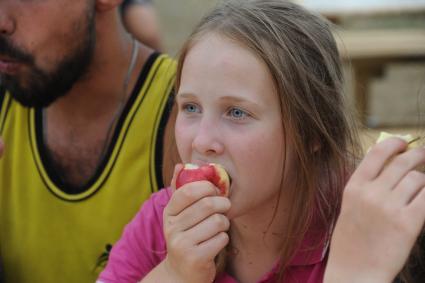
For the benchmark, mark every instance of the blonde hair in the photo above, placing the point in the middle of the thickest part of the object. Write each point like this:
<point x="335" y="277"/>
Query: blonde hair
<point x="302" y="57"/>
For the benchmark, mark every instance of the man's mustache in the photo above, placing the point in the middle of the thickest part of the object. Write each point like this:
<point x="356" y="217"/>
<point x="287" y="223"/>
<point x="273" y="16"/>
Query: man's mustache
<point x="7" y="49"/>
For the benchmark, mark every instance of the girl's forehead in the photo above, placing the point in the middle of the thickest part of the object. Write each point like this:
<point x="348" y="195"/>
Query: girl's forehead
<point x="215" y="40"/>
<point x="217" y="51"/>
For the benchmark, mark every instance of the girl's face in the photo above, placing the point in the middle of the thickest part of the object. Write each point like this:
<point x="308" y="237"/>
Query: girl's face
<point x="229" y="113"/>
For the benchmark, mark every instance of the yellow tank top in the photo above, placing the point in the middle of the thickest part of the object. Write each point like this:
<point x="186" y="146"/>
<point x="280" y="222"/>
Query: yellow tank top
<point x="48" y="235"/>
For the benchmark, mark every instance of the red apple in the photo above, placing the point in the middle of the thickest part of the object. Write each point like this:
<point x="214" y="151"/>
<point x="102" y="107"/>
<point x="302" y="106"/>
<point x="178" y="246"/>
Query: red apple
<point x="214" y="173"/>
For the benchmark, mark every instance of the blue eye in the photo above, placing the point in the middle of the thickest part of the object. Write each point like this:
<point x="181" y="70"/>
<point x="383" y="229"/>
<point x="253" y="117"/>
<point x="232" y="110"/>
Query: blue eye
<point x="237" y="113"/>
<point x="191" y="108"/>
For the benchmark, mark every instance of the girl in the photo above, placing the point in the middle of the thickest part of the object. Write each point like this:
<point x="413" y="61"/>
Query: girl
<point x="259" y="91"/>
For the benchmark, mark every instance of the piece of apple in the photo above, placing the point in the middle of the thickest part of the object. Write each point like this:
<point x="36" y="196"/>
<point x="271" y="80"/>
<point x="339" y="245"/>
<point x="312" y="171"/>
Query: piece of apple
<point x="413" y="142"/>
<point x="214" y="173"/>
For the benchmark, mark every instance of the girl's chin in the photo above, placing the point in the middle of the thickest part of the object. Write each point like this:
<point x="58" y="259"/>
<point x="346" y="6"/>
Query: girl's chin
<point x="231" y="215"/>
<point x="234" y="213"/>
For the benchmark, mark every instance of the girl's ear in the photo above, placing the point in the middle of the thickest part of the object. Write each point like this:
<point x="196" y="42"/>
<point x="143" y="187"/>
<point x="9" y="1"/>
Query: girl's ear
<point x="106" y="5"/>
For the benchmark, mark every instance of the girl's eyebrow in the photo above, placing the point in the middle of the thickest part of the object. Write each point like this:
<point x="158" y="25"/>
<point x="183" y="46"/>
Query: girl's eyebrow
<point x="239" y="99"/>
<point x="185" y="95"/>
<point x="234" y="98"/>
<point x="226" y="98"/>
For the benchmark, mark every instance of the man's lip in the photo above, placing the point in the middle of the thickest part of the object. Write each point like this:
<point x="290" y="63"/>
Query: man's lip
<point x="8" y="66"/>
<point x="7" y="59"/>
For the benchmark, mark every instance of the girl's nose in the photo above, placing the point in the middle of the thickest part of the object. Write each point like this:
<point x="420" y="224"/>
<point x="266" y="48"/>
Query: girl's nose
<point x="208" y="140"/>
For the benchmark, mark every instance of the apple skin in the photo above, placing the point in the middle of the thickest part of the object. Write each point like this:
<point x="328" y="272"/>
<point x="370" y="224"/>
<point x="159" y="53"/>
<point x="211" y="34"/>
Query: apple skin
<point x="214" y="173"/>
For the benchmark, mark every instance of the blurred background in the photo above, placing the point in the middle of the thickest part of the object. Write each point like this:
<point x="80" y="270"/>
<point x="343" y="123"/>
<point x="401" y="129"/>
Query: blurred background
<point x="382" y="45"/>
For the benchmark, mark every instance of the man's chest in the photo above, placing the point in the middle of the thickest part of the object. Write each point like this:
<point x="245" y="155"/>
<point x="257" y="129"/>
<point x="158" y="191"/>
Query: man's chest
<point x="76" y="157"/>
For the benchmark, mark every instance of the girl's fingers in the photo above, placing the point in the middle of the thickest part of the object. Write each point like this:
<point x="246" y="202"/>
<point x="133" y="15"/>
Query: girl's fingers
<point x="208" y="228"/>
<point x="408" y="187"/>
<point x="416" y="209"/>
<point x="377" y="158"/>
<point x="187" y="195"/>
<point x="211" y="247"/>
<point x="177" y="169"/>
<point x="396" y="169"/>
<point x="200" y="210"/>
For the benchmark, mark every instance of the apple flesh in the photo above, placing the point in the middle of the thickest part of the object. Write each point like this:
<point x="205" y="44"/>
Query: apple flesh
<point x="214" y="173"/>
<point x="413" y="142"/>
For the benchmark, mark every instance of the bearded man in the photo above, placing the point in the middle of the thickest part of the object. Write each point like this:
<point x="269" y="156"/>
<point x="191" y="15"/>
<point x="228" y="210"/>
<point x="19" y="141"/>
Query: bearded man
<point x="83" y="116"/>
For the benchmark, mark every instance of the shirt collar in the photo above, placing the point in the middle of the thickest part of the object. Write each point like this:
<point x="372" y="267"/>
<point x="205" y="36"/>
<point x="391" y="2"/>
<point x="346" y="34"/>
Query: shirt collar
<point x="313" y="249"/>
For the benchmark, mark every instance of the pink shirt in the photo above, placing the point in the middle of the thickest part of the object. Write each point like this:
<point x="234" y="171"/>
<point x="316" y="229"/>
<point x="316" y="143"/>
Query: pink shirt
<point x="142" y="247"/>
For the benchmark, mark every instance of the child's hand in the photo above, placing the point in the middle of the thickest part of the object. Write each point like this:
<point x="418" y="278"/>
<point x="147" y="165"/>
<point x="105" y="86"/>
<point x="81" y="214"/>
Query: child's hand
<point x="383" y="212"/>
<point x="195" y="231"/>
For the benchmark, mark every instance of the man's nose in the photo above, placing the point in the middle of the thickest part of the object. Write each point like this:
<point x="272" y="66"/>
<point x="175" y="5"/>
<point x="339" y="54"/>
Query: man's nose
<point x="208" y="140"/>
<point x="7" y="24"/>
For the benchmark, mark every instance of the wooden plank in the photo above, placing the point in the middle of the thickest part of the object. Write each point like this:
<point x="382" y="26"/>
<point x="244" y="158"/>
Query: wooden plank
<point x="369" y="51"/>
<point x="349" y="8"/>
<point x="381" y="44"/>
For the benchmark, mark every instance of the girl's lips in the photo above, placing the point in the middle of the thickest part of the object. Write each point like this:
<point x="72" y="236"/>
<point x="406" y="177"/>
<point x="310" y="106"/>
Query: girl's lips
<point x="8" y="67"/>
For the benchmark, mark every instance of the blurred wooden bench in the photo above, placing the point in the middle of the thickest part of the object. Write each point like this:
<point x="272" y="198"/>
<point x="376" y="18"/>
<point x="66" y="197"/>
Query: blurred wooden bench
<point x="337" y="10"/>
<point x="368" y="51"/>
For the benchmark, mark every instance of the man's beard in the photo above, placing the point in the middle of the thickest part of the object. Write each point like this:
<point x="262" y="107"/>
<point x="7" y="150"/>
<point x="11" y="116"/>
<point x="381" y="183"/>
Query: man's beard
<point x="41" y="88"/>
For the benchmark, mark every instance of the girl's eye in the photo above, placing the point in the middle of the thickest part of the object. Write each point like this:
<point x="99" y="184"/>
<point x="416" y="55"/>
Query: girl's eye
<point x="237" y="113"/>
<point x="191" y="108"/>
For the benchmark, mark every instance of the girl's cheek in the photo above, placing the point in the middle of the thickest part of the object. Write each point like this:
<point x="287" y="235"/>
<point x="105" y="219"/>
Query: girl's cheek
<point x="179" y="128"/>
<point x="183" y="140"/>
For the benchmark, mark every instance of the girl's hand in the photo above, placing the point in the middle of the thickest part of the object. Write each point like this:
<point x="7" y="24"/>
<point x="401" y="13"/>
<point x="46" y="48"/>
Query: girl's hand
<point x="195" y="231"/>
<point x="382" y="214"/>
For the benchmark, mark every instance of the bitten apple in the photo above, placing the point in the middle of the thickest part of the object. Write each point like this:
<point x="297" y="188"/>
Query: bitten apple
<point x="214" y="173"/>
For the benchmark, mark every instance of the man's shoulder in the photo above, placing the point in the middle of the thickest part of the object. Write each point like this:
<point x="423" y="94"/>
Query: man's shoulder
<point x="158" y="74"/>
<point x="165" y="62"/>
<point x="164" y="69"/>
